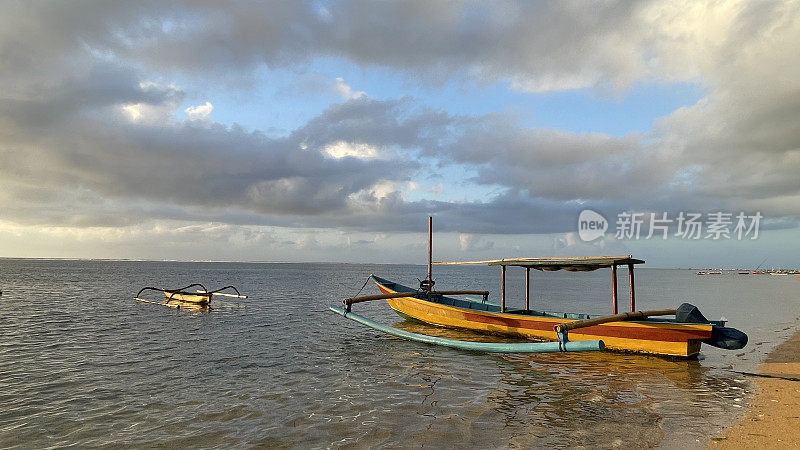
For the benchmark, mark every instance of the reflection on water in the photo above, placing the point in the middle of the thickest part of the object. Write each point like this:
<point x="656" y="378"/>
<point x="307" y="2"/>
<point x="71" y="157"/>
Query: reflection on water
<point x="82" y="364"/>
<point x="594" y="399"/>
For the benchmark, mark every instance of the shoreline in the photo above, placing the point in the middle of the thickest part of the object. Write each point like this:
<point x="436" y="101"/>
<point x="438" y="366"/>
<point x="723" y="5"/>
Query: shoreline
<point x="773" y="413"/>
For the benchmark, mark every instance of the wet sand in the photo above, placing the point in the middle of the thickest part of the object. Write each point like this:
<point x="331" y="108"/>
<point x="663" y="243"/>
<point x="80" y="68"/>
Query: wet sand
<point x="773" y="417"/>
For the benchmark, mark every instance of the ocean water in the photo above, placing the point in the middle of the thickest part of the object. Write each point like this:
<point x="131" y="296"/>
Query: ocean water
<point x="82" y="364"/>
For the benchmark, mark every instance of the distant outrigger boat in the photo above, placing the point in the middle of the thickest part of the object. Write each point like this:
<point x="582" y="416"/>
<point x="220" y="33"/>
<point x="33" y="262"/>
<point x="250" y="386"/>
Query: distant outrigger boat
<point x="634" y="331"/>
<point x="710" y="272"/>
<point x="182" y="298"/>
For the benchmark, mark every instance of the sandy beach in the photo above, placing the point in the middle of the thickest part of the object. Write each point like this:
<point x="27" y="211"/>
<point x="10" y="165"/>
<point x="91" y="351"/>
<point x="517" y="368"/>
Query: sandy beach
<point x="773" y="417"/>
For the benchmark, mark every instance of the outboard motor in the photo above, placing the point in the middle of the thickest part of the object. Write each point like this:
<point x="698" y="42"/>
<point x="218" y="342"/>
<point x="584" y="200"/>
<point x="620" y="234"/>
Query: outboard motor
<point x="688" y="313"/>
<point x="721" y="337"/>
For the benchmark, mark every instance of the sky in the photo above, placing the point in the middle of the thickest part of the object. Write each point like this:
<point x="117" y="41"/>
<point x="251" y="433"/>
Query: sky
<point x="330" y="131"/>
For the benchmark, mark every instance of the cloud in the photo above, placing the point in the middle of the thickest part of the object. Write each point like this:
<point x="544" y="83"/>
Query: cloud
<point x="522" y="44"/>
<point x="741" y="139"/>
<point x="471" y="242"/>
<point x="346" y="92"/>
<point x="566" y="240"/>
<point x="554" y="164"/>
<point x="610" y="46"/>
<point x="199" y="111"/>
<point x="343" y="149"/>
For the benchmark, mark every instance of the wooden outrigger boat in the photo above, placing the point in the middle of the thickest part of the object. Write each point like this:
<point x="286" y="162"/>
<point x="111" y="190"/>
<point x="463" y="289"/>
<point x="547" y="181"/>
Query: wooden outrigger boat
<point x="183" y="298"/>
<point x="634" y="331"/>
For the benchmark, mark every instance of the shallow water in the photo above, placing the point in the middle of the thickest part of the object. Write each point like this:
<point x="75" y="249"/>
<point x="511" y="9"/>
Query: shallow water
<point x="82" y="364"/>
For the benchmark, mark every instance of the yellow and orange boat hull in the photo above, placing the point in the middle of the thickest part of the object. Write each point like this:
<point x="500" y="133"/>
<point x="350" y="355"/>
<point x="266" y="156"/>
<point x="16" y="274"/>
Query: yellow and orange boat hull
<point x="662" y="338"/>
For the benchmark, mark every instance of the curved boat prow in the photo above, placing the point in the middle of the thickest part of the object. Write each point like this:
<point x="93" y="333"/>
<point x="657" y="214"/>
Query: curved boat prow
<point x="492" y="347"/>
<point x="721" y="336"/>
<point x="726" y="338"/>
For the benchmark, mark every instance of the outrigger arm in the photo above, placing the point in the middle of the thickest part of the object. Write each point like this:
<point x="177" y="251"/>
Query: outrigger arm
<point x="562" y="329"/>
<point x="223" y="294"/>
<point x="366" y="298"/>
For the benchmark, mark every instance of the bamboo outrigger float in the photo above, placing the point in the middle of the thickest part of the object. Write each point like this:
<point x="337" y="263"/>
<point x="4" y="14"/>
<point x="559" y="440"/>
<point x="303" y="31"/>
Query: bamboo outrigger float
<point x="634" y="331"/>
<point x="183" y="298"/>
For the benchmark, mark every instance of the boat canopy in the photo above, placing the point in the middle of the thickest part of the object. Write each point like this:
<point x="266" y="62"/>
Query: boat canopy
<point x="569" y="263"/>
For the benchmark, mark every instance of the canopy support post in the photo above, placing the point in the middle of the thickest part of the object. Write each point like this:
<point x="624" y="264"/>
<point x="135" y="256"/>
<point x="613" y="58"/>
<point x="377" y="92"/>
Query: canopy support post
<point x="614" y="289"/>
<point x="633" y="289"/>
<point x="527" y="289"/>
<point x="502" y="288"/>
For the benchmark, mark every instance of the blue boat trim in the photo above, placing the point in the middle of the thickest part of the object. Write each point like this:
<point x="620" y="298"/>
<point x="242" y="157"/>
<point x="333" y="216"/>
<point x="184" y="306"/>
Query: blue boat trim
<point x="491" y="347"/>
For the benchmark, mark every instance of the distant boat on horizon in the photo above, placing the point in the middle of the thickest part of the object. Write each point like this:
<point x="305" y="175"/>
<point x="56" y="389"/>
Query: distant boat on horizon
<point x="709" y="272"/>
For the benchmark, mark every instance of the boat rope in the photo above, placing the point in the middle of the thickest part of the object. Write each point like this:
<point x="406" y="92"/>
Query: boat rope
<point x="365" y="284"/>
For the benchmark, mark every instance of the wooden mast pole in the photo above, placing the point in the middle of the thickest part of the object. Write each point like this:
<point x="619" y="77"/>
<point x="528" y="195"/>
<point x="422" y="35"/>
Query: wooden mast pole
<point x="614" y="289"/>
<point x="633" y="289"/>
<point x="503" y="288"/>
<point x="430" y="253"/>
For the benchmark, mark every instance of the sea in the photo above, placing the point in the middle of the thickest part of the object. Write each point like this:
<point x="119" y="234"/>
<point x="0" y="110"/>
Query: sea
<point x="84" y="365"/>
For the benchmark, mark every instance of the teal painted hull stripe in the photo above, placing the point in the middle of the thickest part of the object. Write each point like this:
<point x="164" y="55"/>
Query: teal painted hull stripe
<point x="499" y="347"/>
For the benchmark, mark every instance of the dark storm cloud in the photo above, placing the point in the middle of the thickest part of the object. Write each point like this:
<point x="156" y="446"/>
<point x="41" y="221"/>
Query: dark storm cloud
<point x="554" y="164"/>
<point x="522" y="42"/>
